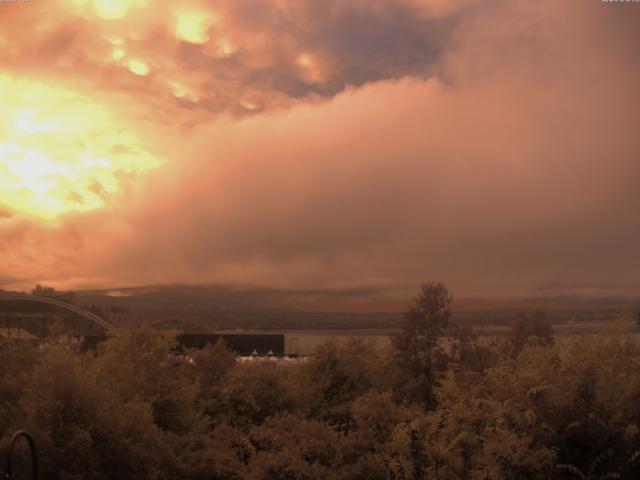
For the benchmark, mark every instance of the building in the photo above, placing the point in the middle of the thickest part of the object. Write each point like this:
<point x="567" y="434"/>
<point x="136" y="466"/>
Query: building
<point x="242" y="344"/>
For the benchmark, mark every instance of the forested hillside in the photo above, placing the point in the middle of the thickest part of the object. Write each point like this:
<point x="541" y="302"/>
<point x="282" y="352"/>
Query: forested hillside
<point x="211" y="307"/>
<point x="524" y="408"/>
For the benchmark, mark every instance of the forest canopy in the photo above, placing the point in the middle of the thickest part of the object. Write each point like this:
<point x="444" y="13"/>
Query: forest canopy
<point x="437" y="405"/>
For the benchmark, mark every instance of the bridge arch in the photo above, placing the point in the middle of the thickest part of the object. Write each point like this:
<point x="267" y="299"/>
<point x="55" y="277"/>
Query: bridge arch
<point x="58" y="303"/>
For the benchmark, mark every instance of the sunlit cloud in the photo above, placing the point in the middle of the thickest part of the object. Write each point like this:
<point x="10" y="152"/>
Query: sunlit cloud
<point x="304" y="60"/>
<point x="61" y="152"/>
<point x="110" y="9"/>
<point x="223" y="52"/>
<point x="249" y="104"/>
<point x="193" y="27"/>
<point x="311" y="141"/>
<point x="310" y="68"/>
<point x="138" y="67"/>
<point x="180" y="90"/>
<point x="225" y="46"/>
<point x="118" y="54"/>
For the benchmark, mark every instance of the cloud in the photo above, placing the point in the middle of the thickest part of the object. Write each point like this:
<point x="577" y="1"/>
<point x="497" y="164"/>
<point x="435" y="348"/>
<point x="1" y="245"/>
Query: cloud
<point x="504" y="159"/>
<point x="238" y="57"/>
<point x="61" y="151"/>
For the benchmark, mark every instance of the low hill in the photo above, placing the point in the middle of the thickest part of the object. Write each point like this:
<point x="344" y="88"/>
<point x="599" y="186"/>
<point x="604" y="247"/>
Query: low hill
<point x="215" y="307"/>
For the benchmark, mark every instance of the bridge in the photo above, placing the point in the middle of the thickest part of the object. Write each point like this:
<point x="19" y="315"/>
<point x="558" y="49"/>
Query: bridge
<point x="5" y="296"/>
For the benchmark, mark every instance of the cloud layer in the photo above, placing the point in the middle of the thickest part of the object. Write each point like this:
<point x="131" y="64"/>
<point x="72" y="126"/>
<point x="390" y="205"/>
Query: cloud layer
<point x="492" y="146"/>
<point x="196" y="58"/>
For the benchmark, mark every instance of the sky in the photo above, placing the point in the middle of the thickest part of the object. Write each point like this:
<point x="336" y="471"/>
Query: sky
<point x="490" y="144"/>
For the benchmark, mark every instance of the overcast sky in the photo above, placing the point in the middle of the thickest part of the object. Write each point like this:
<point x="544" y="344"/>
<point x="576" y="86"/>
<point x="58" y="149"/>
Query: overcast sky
<point x="490" y="144"/>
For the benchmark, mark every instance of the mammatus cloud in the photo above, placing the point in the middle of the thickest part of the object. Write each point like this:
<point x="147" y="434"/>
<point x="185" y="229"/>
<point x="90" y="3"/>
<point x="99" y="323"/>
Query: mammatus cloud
<point x="505" y="161"/>
<point x="187" y="60"/>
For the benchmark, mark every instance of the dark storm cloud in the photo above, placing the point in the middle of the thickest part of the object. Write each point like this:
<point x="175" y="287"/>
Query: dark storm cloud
<point x="258" y="55"/>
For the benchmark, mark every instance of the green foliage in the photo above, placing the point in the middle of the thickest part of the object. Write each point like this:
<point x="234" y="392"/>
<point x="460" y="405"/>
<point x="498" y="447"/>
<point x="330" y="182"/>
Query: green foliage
<point x="417" y="346"/>
<point x="83" y="429"/>
<point x="290" y="448"/>
<point x="137" y="364"/>
<point x="44" y="291"/>
<point x="326" y="387"/>
<point x="222" y="454"/>
<point x="530" y="327"/>
<point x="135" y="410"/>
<point x="214" y="362"/>
<point x="252" y="393"/>
<point x="16" y="366"/>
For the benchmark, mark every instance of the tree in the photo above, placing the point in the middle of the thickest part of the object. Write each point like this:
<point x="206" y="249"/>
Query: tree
<point x="530" y="325"/>
<point x="84" y="430"/>
<point x="214" y="361"/>
<point x="336" y="375"/>
<point x="376" y="416"/>
<point x="252" y="393"/>
<point x="417" y="344"/>
<point x="222" y="454"/>
<point x="466" y="351"/>
<point x="212" y="364"/>
<point x="137" y="364"/>
<point x="45" y="291"/>
<point x="290" y="448"/>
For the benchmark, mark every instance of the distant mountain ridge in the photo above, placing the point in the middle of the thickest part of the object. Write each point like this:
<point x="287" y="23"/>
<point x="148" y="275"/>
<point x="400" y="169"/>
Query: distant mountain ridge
<point x="225" y="306"/>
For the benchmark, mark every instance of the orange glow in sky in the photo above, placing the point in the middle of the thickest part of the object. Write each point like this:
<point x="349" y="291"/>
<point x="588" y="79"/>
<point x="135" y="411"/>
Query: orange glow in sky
<point x="111" y="9"/>
<point x="60" y="152"/>
<point x="309" y="143"/>
<point x="138" y="67"/>
<point x="193" y="27"/>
